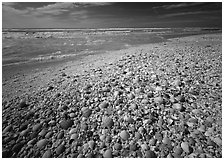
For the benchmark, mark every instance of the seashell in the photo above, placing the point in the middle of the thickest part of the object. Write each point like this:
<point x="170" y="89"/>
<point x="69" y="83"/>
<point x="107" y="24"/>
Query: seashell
<point x="152" y="142"/>
<point x="65" y="124"/>
<point x="86" y="112"/>
<point x="150" y="154"/>
<point x="116" y="93"/>
<point x="185" y="147"/>
<point x="136" y="80"/>
<point x="7" y="129"/>
<point x="37" y="127"/>
<point x="118" y="146"/>
<point x="47" y="154"/>
<point x="178" y="151"/>
<point x="144" y="147"/>
<point x="128" y="119"/>
<point x="218" y="141"/>
<point x="74" y="136"/>
<point x="166" y="140"/>
<point x="180" y="98"/>
<point x="142" y="130"/>
<point x="107" y="122"/>
<point x="158" y="89"/>
<point x="130" y="96"/>
<point x="178" y="107"/>
<point x="60" y="149"/>
<point x="22" y="103"/>
<point x="177" y="82"/>
<point x="144" y="101"/>
<point x="107" y="153"/>
<point x="196" y="111"/>
<point x="133" y="106"/>
<point x="42" y="143"/>
<point x="43" y="132"/>
<point x="91" y="144"/>
<point x="137" y="135"/>
<point x="124" y="135"/>
<point x="103" y="105"/>
<point x="158" y="100"/>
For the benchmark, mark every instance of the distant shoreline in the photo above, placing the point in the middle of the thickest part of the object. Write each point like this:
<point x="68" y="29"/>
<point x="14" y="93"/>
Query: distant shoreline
<point x="104" y="29"/>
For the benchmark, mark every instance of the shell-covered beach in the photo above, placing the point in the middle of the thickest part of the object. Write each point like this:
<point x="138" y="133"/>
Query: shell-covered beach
<point x="153" y="100"/>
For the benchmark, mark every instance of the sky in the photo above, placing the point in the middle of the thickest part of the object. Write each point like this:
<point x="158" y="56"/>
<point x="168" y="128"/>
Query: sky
<point x="111" y="14"/>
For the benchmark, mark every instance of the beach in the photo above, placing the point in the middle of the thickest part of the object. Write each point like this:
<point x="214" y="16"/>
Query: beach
<point x="161" y="99"/>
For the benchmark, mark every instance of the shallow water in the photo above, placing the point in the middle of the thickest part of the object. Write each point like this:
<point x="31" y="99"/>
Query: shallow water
<point x="30" y="49"/>
<point x="33" y="46"/>
<point x="26" y="49"/>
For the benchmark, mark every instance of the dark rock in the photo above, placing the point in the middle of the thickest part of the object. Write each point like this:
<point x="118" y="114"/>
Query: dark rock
<point x="107" y="154"/>
<point x="7" y="129"/>
<point x="47" y="154"/>
<point x="65" y="124"/>
<point x="60" y="135"/>
<point x="6" y="154"/>
<point x="22" y="104"/>
<point x="43" y="132"/>
<point x="37" y="127"/>
<point x="107" y="122"/>
<point x="86" y="112"/>
<point x="103" y="105"/>
<point x="150" y="154"/>
<point x="17" y="147"/>
<point x="60" y="149"/>
<point x="42" y="143"/>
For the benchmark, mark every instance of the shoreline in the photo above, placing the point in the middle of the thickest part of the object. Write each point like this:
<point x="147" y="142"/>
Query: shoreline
<point x="86" y="61"/>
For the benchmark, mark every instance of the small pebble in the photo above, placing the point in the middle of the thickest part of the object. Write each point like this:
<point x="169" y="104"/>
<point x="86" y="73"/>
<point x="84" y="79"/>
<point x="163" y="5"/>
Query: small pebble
<point x="86" y="112"/>
<point x="49" y="134"/>
<point x="47" y="154"/>
<point x="43" y="132"/>
<point x="72" y="115"/>
<point x="218" y="141"/>
<point x="107" y="154"/>
<point x="158" y="100"/>
<point x="103" y="105"/>
<point x="178" y="107"/>
<point x="133" y="106"/>
<point x="74" y="136"/>
<point x="117" y="146"/>
<point x="91" y="144"/>
<point x="150" y="154"/>
<point x="65" y="124"/>
<point x="7" y="129"/>
<point x="185" y="146"/>
<point x="166" y="140"/>
<point x="42" y="143"/>
<point x="107" y="122"/>
<point x="124" y="135"/>
<point x="37" y="127"/>
<point x="22" y="103"/>
<point x="178" y="150"/>
<point x="60" y="135"/>
<point x="60" y="149"/>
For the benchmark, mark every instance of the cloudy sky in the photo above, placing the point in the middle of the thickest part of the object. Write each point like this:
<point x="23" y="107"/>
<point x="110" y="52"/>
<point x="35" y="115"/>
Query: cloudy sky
<point x="107" y="14"/>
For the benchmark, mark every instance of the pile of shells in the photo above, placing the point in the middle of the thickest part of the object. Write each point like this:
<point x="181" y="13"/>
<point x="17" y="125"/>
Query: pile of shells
<point x="165" y="103"/>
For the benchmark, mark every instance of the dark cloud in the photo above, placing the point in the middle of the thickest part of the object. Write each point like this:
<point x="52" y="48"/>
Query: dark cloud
<point x="92" y="4"/>
<point x="187" y="13"/>
<point x="179" y="5"/>
<point x="110" y="14"/>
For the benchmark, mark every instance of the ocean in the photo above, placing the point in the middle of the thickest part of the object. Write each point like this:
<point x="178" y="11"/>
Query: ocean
<point x="21" y="46"/>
